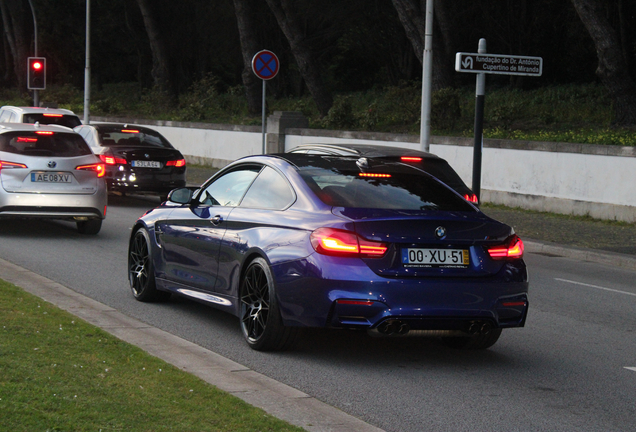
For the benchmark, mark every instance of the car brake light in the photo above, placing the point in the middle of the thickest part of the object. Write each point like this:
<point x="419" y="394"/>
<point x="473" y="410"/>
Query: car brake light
<point x="99" y="168"/>
<point x="513" y="249"/>
<point x="411" y="159"/>
<point x="5" y="165"/>
<point x="112" y="160"/>
<point x="176" y="163"/>
<point x="44" y="132"/>
<point x="355" y="302"/>
<point x="471" y="198"/>
<point x="26" y="139"/>
<point x="336" y="242"/>
<point x="130" y="131"/>
<point x="52" y="115"/>
<point x="376" y="175"/>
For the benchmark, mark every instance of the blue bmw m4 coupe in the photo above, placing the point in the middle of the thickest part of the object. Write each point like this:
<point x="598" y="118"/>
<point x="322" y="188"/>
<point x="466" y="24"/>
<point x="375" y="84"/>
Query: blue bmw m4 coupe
<point x="288" y="241"/>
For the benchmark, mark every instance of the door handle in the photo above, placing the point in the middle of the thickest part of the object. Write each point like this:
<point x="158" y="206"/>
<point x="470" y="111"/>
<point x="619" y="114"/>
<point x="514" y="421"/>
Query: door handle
<point x="216" y="220"/>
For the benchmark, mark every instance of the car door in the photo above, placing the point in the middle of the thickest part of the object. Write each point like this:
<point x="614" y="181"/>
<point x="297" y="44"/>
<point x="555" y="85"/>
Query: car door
<point x="191" y="238"/>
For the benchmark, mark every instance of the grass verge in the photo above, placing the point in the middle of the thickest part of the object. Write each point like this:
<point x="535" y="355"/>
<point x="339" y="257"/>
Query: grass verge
<point x="59" y="373"/>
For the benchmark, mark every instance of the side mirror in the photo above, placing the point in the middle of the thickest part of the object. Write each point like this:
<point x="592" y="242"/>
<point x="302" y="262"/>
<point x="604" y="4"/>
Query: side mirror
<point x="180" y="195"/>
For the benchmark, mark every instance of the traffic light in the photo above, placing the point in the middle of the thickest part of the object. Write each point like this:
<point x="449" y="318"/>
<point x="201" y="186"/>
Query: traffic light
<point x="36" y="73"/>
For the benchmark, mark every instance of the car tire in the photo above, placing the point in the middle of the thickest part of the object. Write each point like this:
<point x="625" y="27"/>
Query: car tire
<point x="477" y="342"/>
<point x="90" y="227"/>
<point x="261" y="322"/>
<point x="141" y="272"/>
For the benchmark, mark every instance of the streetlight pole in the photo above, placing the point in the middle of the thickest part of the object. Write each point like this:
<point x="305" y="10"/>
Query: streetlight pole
<point x="87" y="68"/>
<point x="427" y="78"/>
<point x="36" y="95"/>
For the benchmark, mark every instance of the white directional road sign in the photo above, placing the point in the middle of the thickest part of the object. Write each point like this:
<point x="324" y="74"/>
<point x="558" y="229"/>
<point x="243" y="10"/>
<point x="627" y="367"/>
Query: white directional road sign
<point x="498" y="64"/>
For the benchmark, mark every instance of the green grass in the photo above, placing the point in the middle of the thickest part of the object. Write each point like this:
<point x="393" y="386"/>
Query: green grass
<point x="58" y="373"/>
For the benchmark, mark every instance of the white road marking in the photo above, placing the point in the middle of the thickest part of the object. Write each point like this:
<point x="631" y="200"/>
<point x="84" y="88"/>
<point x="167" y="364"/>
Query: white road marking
<point x="631" y="368"/>
<point x="596" y="286"/>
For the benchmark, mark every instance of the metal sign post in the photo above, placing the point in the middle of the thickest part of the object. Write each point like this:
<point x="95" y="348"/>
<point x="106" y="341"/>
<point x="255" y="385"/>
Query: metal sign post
<point x="265" y="65"/>
<point x="482" y="64"/>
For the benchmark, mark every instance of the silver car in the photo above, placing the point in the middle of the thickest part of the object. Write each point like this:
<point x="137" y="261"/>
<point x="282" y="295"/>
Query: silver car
<point x="56" y="116"/>
<point x="50" y="172"/>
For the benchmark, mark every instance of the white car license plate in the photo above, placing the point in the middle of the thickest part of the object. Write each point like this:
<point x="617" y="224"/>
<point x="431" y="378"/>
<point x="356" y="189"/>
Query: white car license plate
<point x="146" y="164"/>
<point x="422" y="257"/>
<point x="47" y="177"/>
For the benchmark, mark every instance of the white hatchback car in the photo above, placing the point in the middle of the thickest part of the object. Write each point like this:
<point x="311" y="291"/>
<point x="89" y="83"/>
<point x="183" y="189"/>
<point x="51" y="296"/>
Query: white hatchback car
<point x="50" y="172"/>
<point x="55" y="116"/>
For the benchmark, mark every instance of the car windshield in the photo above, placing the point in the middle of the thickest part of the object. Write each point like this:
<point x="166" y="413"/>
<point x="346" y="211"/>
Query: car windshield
<point x="131" y="136"/>
<point x="69" y="121"/>
<point x="44" y="143"/>
<point x="341" y="182"/>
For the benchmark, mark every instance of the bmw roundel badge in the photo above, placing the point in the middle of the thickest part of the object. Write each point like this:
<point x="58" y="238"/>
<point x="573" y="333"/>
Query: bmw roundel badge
<point x="440" y="232"/>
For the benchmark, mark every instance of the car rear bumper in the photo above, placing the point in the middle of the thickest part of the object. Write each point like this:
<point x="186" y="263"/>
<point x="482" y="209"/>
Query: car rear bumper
<point x="362" y="299"/>
<point x="145" y="181"/>
<point x="54" y="206"/>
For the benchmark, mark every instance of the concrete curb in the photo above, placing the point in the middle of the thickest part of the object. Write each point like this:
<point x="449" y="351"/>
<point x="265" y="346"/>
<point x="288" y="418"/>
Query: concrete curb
<point x="277" y="399"/>
<point x="581" y="254"/>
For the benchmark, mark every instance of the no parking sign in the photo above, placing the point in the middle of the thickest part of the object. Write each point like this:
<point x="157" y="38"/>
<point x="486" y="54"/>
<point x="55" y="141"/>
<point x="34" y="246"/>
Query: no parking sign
<point x="265" y="65"/>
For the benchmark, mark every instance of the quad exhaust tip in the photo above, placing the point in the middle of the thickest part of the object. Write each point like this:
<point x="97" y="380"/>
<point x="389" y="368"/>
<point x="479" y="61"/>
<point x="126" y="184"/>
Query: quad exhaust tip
<point x="396" y="328"/>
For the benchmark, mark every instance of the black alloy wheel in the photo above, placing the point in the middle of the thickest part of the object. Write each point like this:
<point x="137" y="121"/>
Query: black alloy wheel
<point x="261" y="322"/>
<point x="140" y="269"/>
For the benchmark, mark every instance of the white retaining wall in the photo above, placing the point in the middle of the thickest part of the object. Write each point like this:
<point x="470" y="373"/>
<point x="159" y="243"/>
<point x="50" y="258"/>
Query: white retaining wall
<point x="580" y="179"/>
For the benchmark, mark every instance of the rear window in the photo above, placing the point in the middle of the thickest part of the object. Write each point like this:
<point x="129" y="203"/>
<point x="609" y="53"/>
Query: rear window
<point x="44" y="143"/>
<point x="69" y="121"/>
<point x="131" y="136"/>
<point x="382" y="186"/>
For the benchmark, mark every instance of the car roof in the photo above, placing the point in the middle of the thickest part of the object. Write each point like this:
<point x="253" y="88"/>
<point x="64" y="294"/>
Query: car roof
<point x="362" y="150"/>
<point x="28" y="127"/>
<point x="118" y="126"/>
<point x="39" y="110"/>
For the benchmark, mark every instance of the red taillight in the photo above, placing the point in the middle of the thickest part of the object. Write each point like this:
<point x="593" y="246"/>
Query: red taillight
<point x="512" y="250"/>
<point x="176" y="163"/>
<point x="5" y="165"/>
<point x="130" y="131"/>
<point x="376" y="175"/>
<point x="44" y="132"/>
<point x="514" y="303"/>
<point x="99" y="168"/>
<point x="112" y="160"/>
<point x="355" y="302"/>
<point x="52" y="115"/>
<point x="471" y="198"/>
<point x="411" y="159"/>
<point x="336" y="242"/>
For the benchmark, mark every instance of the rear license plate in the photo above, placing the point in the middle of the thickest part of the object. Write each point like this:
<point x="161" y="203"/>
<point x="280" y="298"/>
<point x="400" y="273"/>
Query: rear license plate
<point x="47" y="177"/>
<point x="146" y="164"/>
<point x="447" y="258"/>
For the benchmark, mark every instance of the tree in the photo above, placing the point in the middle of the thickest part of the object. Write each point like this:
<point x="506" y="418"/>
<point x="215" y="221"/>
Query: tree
<point x="288" y="20"/>
<point x="160" y="56"/>
<point x="612" y="68"/>
<point x="14" y="15"/>
<point x="412" y="14"/>
<point x="249" y="47"/>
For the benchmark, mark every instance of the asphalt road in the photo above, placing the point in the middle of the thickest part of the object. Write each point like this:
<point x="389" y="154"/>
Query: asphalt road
<point x="568" y="369"/>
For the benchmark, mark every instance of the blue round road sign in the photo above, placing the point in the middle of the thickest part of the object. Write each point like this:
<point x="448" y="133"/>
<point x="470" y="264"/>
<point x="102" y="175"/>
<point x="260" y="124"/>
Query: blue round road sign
<point x="265" y="65"/>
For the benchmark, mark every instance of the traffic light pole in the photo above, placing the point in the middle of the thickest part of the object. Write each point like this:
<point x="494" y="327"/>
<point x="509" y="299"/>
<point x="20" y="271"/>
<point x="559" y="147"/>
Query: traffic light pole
<point x="36" y="95"/>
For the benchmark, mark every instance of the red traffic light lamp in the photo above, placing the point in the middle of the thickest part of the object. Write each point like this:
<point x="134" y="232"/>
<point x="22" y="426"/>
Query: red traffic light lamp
<point x="36" y="73"/>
